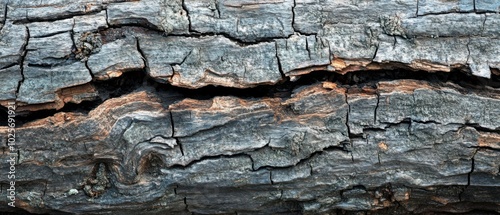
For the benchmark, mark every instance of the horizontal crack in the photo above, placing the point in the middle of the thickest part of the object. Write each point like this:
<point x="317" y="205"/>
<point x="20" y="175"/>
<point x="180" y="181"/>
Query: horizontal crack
<point x="455" y="12"/>
<point x="138" y="80"/>
<point x="204" y="158"/>
<point x="485" y="147"/>
<point x="195" y="34"/>
<point x="481" y="128"/>
<point x="305" y="160"/>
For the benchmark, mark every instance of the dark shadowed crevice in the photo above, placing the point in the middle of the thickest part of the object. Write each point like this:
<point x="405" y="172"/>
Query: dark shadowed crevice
<point x="127" y="83"/>
<point x="305" y="160"/>
<point x="468" y="49"/>
<point x="90" y="71"/>
<point x="270" y="176"/>
<point x="481" y="129"/>
<point x="187" y="14"/>
<point x="416" y="13"/>
<point x="460" y="195"/>
<point x="253" y="162"/>
<point x="218" y="10"/>
<point x="205" y="158"/>
<point x="482" y="25"/>
<point x="293" y="15"/>
<point x="23" y="57"/>
<point x="185" y="203"/>
<point x="138" y="45"/>
<point x="238" y="41"/>
<point x="22" y="118"/>
<point x="137" y="80"/>
<point x="282" y="90"/>
<point x="349" y="134"/>
<point x="283" y="77"/>
<point x="485" y="147"/>
<point x="143" y="26"/>
<point x="177" y="141"/>
<point x="4" y="15"/>
<point x="4" y="116"/>
<point x="357" y="79"/>
<point x="107" y="16"/>
<point x="10" y="65"/>
<point x="376" y="108"/>
<point x="375" y="52"/>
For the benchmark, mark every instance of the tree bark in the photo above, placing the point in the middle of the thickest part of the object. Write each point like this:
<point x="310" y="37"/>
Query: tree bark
<point x="250" y="107"/>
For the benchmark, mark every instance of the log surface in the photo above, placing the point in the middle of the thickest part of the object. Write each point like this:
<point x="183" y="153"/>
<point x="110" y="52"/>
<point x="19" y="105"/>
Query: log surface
<point x="251" y="107"/>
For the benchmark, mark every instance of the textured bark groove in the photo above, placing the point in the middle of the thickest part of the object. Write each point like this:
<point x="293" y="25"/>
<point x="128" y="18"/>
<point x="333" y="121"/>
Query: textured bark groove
<point x="251" y="107"/>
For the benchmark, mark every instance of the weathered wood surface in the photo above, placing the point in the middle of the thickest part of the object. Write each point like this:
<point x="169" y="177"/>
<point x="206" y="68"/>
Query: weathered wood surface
<point x="260" y="143"/>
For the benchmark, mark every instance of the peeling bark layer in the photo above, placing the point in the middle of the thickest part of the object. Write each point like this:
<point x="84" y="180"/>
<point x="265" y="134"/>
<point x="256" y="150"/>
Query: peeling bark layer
<point x="252" y="107"/>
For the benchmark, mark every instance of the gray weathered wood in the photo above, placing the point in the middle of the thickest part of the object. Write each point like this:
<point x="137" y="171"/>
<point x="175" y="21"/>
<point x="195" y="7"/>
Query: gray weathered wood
<point x="251" y="107"/>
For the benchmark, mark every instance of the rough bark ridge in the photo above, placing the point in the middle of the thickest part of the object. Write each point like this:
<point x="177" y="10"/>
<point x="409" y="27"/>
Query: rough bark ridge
<point x="252" y="107"/>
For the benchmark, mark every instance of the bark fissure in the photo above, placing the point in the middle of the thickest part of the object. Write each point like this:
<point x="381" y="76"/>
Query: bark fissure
<point x="306" y="159"/>
<point x="146" y="66"/>
<point x="132" y="81"/>
<point x="5" y="15"/>
<point x="283" y="76"/>
<point x="376" y="107"/>
<point x="293" y="15"/>
<point x="188" y="16"/>
<point x="23" y="57"/>
<point x="217" y="8"/>
<point x="484" y="147"/>
<point x="454" y="12"/>
<point x="211" y="157"/>
<point x="468" y="50"/>
<point x="418" y="4"/>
